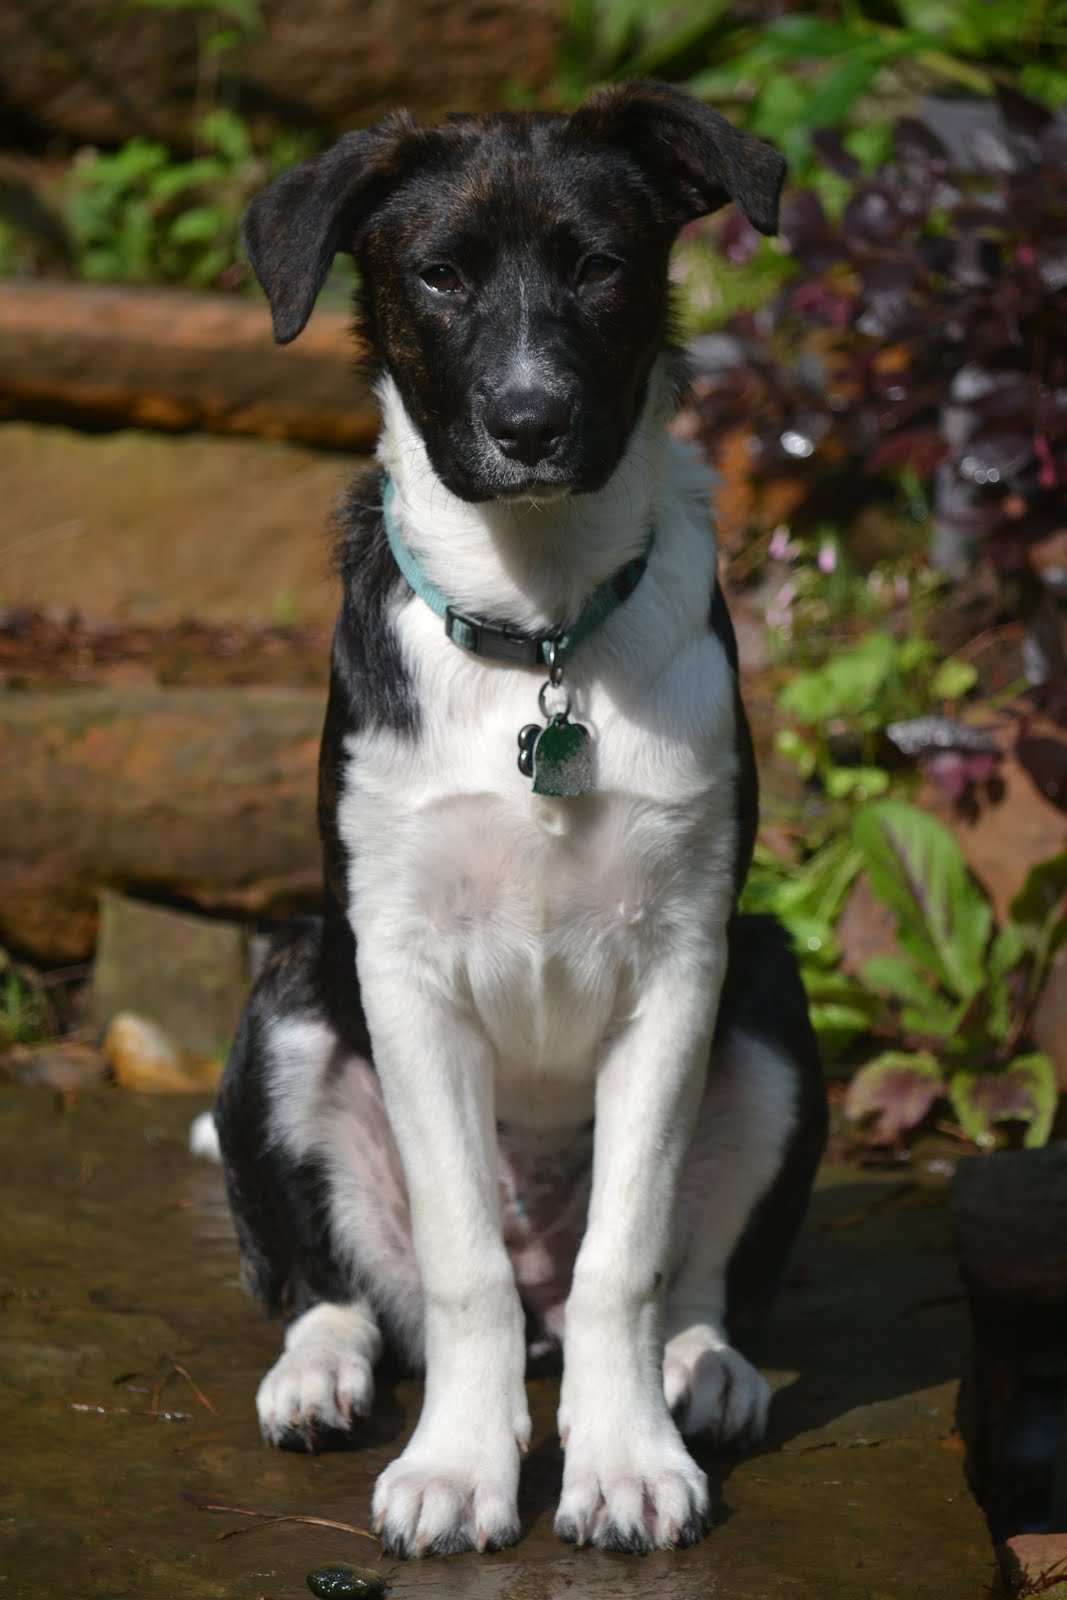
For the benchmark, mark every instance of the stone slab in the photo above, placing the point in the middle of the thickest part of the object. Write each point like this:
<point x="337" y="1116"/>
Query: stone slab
<point x="119" y="1268"/>
<point x="189" y="974"/>
<point x="111" y="356"/>
<point x="147" y="528"/>
<point x="203" y="797"/>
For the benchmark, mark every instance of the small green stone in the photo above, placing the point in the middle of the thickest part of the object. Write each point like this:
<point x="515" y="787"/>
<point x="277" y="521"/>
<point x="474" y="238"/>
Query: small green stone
<point x="342" y="1582"/>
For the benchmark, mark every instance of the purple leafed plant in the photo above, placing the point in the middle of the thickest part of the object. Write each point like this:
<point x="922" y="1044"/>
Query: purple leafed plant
<point x="925" y="328"/>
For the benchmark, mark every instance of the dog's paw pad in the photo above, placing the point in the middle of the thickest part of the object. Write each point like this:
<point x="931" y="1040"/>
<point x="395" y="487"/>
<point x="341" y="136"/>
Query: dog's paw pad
<point x="311" y="1400"/>
<point x="712" y="1390"/>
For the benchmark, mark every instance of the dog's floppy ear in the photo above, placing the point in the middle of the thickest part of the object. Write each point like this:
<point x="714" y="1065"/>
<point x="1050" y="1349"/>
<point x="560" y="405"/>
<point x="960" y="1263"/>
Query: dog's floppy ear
<point x="701" y="160"/>
<point x="293" y="229"/>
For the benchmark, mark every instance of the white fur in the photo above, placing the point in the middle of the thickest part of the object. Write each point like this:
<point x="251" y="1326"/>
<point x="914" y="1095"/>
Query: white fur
<point x="338" y="1118"/>
<point x="748" y="1113"/>
<point x="533" y="960"/>
<point x="324" y="1378"/>
<point x="204" y="1138"/>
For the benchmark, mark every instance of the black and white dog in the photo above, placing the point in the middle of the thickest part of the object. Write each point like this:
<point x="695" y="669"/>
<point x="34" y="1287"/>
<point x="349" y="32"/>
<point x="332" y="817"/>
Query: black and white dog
<point x="531" y="1080"/>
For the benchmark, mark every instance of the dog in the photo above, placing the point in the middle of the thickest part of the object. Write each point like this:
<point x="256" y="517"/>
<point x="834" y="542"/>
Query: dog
<point x="530" y="1083"/>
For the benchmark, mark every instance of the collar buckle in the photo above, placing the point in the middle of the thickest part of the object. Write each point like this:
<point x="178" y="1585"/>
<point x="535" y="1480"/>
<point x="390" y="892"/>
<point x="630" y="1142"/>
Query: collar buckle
<point x="494" y="640"/>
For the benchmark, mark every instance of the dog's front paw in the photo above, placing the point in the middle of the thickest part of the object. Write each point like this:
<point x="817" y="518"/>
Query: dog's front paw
<point x="624" y="1492"/>
<point x="312" y="1398"/>
<point x="712" y="1390"/>
<point x="438" y="1503"/>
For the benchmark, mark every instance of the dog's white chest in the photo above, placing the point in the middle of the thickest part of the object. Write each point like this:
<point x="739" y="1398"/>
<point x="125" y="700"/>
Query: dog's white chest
<point x="536" y="918"/>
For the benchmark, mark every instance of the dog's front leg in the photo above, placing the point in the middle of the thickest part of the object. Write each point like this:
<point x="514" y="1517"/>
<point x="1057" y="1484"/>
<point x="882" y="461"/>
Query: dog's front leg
<point x="628" y="1481"/>
<point x="455" y="1486"/>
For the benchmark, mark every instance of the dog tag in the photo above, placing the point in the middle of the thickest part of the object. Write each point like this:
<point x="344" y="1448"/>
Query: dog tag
<point x="562" y="759"/>
<point x="528" y="737"/>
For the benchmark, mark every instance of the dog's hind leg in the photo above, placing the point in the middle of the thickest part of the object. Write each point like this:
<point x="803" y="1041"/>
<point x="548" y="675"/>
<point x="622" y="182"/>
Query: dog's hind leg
<point x="307" y="1163"/>
<point x="744" y="1187"/>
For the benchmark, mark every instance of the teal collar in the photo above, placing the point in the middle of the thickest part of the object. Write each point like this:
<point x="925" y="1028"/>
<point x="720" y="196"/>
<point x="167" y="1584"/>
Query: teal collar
<point x="498" y="640"/>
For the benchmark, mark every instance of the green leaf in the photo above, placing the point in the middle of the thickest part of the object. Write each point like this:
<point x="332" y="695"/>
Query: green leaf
<point x="898" y="978"/>
<point x="912" y="653"/>
<point x="1041" y="894"/>
<point x="939" y="1022"/>
<point x="217" y="44"/>
<point x="227" y="133"/>
<point x="864" y="783"/>
<point x="840" y="88"/>
<point x="847" y="685"/>
<point x="1024" y="1091"/>
<point x="915" y="866"/>
<point x="813" y="940"/>
<point x="1009" y="950"/>
<point x="794" y="37"/>
<point x="953" y="679"/>
<point x="206" y="170"/>
<point x="198" y="226"/>
<point x="794" y="747"/>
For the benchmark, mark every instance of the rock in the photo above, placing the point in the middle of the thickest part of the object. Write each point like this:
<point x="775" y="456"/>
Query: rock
<point x="101" y="75"/>
<point x="112" y="356"/>
<point x="1010" y="1212"/>
<point x="203" y="797"/>
<point x="1035" y="1564"/>
<point x="189" y="974"/>
<point x="342" y="1582"/>
<point x="66" y="1067"/>
<point x="140" y="527"/>
<point x="143" y="1056"/>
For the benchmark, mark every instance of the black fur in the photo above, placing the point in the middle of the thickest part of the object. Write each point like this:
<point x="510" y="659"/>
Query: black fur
<point x="448" y="241"/>
<point x="279" y="1207"/>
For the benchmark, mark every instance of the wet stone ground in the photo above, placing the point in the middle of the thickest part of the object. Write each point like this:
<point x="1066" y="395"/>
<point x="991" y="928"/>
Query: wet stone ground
<point x="129" y="1360"/>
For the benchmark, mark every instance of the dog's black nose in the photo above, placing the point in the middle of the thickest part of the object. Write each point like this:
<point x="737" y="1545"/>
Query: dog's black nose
<point x="527" y="422"/>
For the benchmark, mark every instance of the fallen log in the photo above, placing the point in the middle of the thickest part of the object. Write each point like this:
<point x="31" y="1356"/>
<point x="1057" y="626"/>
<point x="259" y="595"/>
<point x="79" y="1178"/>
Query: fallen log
<point x="105" y="356"/>
<point x="194" y="797"/>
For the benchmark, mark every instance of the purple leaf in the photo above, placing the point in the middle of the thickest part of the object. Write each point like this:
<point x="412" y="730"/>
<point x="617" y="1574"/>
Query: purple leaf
<point x="871" y="216"/>
<point x="897" y="1091"/>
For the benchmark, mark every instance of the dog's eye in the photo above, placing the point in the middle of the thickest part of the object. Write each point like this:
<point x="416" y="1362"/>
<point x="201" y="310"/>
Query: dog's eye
<point x="442" y="278"/>
<point x="596" y="269"/>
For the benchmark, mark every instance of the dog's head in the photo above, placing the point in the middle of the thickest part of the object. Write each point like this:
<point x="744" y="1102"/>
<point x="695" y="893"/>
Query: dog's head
<point x="513" y="268"/>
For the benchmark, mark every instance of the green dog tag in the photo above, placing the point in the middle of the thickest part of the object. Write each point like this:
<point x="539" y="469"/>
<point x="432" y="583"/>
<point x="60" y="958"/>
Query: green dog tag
<point x="563" y="759"/>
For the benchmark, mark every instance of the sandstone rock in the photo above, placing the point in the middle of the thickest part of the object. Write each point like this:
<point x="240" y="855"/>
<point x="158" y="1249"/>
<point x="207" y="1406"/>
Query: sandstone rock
<point x="189" y="974"/>
<point x="102" y="74"/>
<point x="140" y="527"/>
<point x="142" y="1055"/>
<point x="205" y="797"/>
<point x="1036" y="1564"/>
<point x="111" y="356"/>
